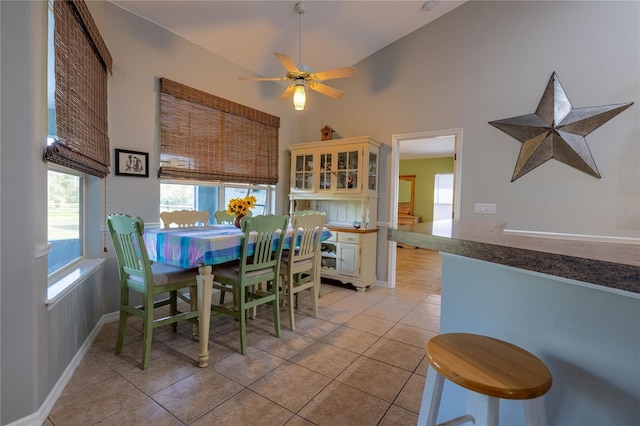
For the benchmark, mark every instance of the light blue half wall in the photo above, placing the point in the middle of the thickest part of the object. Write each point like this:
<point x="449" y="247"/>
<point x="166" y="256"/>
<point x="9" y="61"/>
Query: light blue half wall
<point x="588" y="337"/>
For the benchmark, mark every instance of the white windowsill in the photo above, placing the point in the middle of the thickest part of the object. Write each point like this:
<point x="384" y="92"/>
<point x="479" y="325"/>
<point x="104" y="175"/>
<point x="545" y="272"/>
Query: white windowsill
<point x="76" y="276"/>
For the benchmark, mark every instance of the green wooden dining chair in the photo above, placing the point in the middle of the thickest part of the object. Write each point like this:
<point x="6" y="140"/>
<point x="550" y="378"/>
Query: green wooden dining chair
<point x="262" y="265"/>
<point x="138" y="275"/>
<point x="300" y="268"/>
<point x="303" y="212"/>
<point x="186" y="219"/>
<point x="222" y="216"/>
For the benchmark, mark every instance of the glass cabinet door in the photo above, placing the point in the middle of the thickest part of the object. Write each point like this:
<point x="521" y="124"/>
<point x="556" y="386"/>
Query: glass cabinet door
<point x="373" y="171"/>
<point x="304" y="172"/>
<point x="325" y="171"/>
<point x="347" y="176"/>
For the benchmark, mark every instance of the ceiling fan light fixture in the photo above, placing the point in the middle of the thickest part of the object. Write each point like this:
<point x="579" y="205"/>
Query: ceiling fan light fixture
<point x="299" y="98"/>
<point x="301" y="75"/>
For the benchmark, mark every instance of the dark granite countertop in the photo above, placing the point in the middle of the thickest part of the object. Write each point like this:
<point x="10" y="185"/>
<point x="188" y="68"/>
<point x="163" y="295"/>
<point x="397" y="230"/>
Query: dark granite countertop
<point x="615" y="266"/>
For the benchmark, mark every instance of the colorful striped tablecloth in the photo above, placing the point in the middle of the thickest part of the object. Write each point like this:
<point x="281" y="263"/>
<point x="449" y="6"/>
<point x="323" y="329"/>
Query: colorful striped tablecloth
<point x="198" y="246"/>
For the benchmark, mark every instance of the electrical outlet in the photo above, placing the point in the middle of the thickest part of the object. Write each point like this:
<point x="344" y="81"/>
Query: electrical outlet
<point x="485" y="208"/>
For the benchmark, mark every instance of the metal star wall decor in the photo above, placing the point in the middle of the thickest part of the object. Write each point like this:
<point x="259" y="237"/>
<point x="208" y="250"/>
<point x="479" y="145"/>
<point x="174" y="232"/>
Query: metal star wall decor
<point x="557" y="130"/>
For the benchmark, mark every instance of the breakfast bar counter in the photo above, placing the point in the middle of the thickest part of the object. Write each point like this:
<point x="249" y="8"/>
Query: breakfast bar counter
<point x="616" y="266"/>
<point x="574" y="304"/>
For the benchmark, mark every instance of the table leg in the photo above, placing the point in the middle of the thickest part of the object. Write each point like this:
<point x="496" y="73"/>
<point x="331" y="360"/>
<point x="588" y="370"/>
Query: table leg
<point x="205" y="285"/>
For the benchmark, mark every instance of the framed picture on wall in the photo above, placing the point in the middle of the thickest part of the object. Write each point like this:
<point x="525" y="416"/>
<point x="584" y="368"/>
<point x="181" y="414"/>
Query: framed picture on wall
<point x="132" y="163"/>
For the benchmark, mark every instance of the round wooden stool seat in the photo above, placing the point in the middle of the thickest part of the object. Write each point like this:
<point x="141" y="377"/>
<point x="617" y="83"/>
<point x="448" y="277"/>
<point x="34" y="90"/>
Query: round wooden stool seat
<point x="488" y="366"/>
<point x="492" y="369"/>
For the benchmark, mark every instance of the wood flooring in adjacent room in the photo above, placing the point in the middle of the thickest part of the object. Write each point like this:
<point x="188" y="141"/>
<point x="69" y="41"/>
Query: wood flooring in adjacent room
<point x="418" y="269"/>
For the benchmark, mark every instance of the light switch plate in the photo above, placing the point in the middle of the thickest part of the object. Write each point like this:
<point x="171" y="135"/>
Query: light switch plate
<point x="485" y="208"/>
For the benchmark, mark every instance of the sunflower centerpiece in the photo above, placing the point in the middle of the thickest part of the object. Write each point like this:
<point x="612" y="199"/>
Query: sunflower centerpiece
<point x="240" y="207"/>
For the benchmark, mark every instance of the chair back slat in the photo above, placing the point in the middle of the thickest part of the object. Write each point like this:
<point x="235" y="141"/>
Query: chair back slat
<point x="307" y="230"/>
<point x="263" y="234"/>
<point x="184" y="218"/>
<point x="131" y="253"/>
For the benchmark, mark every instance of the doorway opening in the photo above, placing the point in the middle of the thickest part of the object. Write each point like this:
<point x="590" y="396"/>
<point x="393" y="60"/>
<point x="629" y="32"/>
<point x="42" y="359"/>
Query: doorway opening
<point x="428" y="144"/>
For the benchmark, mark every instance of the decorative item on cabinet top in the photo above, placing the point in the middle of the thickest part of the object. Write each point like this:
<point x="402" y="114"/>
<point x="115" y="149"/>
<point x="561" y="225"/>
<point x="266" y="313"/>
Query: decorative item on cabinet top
<point x="327" y="133"/>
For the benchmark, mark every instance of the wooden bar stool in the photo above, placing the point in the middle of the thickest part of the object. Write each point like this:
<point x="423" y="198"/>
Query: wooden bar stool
<point x="490" y="367"/>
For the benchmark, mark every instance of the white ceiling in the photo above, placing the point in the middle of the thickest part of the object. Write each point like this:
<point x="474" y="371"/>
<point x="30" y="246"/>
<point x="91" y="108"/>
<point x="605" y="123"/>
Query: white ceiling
<point x="441" y="146"/>
<point x="335" y="34"/>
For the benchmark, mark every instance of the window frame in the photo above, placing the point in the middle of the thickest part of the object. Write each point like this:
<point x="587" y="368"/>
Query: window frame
<point x="269" y="204"/>
<point x="62" y="281"/>
<point x="58" y="274"/>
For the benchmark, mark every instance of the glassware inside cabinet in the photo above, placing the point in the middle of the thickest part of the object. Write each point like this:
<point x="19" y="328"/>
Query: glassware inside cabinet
<point x="325" y="171"/>
<point x="373" y="170"/>
<point x="341" y="179"/>
<point x="304" y="171"/>
<point x="352" y="179"/>
<point x="347" y="176"/>
<point x="353" y="160"/>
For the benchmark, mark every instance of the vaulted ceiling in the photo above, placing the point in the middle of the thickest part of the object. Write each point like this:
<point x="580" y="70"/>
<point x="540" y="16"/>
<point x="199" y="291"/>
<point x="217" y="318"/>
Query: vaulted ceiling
<point x="335" y="34"/>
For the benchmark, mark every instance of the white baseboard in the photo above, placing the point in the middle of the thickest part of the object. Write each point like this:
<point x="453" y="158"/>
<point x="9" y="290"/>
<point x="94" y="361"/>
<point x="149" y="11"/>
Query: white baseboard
<point x="574" y="237"/>
<point x="40" y="416"/>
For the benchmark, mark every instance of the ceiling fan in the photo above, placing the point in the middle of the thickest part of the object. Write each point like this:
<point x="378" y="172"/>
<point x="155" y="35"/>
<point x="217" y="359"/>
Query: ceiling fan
<point x="301" y="75"/>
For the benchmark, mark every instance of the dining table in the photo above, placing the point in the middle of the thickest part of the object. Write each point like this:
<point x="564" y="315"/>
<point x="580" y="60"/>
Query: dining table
<point x="201" y="247"/>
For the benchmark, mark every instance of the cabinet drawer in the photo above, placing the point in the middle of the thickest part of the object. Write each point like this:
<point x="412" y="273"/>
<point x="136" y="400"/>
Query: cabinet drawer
<point x="346" y="237"/>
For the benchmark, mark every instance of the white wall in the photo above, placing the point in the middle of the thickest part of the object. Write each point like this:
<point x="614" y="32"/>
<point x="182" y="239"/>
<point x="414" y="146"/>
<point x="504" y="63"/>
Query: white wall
<point x="22" y="226"/>
<point x="142" y="53"/>
<point x="487" y="61"/>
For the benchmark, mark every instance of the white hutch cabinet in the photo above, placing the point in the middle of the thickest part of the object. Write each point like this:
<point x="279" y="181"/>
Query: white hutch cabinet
<point x="340" y="177"/>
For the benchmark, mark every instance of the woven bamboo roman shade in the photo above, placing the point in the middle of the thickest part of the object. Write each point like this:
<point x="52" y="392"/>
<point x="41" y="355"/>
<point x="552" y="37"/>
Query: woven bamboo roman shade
<point x="81" y="64"/>
<point x="207" y="138"/>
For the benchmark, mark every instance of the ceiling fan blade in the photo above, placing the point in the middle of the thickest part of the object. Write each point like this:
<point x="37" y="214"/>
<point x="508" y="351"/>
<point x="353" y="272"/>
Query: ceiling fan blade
<point x="287" y="63"/>
<point x="264" y="78"/>
<point x="325" y="90"/>
<point x="288" y="92"/>
<point x="337" y="73"/>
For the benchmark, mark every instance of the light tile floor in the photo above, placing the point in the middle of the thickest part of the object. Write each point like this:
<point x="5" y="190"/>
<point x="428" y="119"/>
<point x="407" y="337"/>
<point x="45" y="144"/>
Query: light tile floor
<point x="360" y="363"/>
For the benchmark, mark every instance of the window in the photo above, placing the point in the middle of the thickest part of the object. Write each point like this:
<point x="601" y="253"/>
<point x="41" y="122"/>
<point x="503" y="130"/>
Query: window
<point x="81" y="62"/>
<point x="51" y="81"/>
<point x="73" y="66"/>
<point x="207" y="141"/>
<point x="443" y="196"/>
<point x="65" y="214"/>
<point x="64" y="187"/>
<point x="213" y="196"/>
<point x="241" y="192"/>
